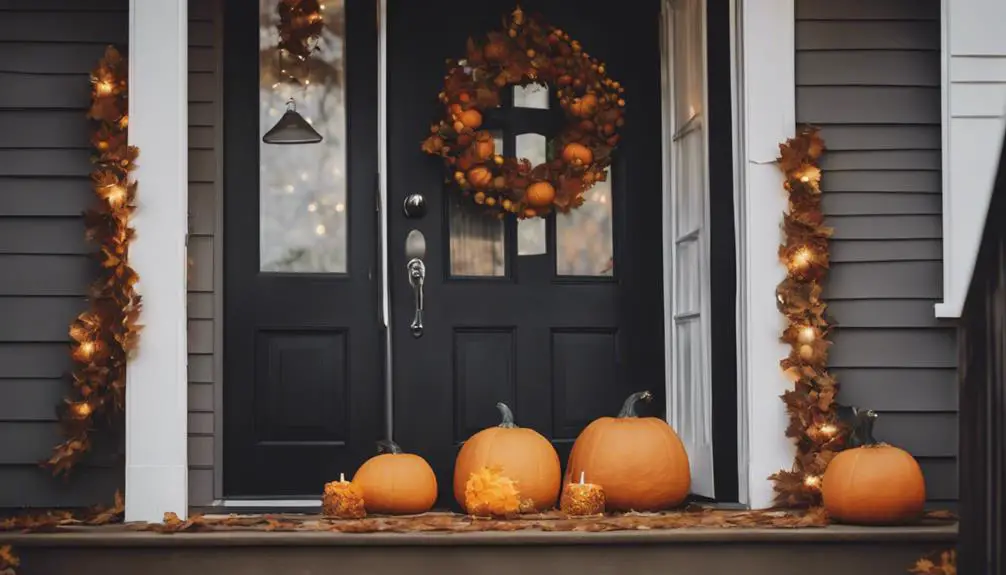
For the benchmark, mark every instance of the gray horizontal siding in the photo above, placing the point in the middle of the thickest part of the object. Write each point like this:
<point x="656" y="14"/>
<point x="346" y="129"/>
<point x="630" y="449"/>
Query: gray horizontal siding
<point x="204" y="331"/>
<point x="47" y="264"/>
<point x="44" y="188"/>
<point x="868" y="73"/>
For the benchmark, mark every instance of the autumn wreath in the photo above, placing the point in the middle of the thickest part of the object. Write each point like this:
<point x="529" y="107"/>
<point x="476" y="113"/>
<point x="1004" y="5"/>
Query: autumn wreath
<point x="528" y="52"/>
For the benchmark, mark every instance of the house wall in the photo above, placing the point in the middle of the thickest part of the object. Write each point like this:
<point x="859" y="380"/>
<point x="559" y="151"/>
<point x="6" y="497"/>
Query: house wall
<point x="869" y="74"/>
<point x="47" y="49"/>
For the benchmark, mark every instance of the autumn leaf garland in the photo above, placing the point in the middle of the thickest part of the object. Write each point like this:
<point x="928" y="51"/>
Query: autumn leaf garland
<point x="810" y="404"/>
<point x="105" y="335"/>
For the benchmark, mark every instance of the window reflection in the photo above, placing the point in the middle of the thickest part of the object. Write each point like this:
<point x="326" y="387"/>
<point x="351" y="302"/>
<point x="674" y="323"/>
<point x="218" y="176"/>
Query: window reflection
<point x="302" y="189"/>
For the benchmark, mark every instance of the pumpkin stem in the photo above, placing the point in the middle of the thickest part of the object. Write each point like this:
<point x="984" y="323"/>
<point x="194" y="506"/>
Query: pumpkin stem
<point x="862" y="430"/>
<point x="507" y="415"/>
<point x="629" y="407"/>
<point x="388" y="446"/>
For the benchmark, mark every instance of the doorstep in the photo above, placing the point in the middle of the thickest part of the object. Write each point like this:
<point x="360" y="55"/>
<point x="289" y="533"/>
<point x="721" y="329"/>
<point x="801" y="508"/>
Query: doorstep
<point x="826" y="550"/>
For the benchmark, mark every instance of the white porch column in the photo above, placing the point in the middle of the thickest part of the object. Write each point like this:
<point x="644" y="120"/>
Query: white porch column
<point x="156" y="397"/>
<point x="766" y="116"/>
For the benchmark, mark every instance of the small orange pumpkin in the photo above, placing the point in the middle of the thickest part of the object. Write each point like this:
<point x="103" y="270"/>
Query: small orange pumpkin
<point x="874" y="483"/>
<point x="577" y="154"/>
<point x="520" y="453"/>
<point x="540" y="194"/>
<point x="480" y="176"/>
<point x="471" y="118"/>
<point x="396" y="483"/>
<point x="639" y="461"/>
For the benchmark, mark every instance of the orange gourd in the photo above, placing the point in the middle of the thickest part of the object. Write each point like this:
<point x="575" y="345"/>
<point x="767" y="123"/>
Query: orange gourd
<point x="470" y="118"/>
<point x="874" y="483"/>
<point x="480" y="177"/>
<point x="577" y="154"/>
<point x="396" y="483"/>
<point x="520" y="453"/>
<point x="540" y="194"/>
<point x="638" y="461"/>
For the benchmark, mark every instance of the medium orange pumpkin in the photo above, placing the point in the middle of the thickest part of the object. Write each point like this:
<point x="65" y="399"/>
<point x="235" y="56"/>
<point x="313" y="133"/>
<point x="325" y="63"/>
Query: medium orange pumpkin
<point x="522" y="454"/>
<point x="396" y="483"/>
<point x="470" y="118"/>
<point x="480" y="177"/>
<point x="875" y="483"/>
<point x="540" y="194"/>
<point x="638" y="461"/>
<point x="578" y="154"/>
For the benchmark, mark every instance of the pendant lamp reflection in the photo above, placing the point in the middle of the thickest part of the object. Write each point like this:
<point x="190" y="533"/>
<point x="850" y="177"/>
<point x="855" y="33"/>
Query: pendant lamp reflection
<point x="292" y="128"/>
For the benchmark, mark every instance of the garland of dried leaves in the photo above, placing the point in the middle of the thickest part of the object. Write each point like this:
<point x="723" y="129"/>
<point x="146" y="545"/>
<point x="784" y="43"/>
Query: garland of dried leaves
<point x="944" y="563"/>
<point x="8" y="560"/>
<point x="813" y="419"/>
<point x="106" y="334"/>
<point x="527" y="52"/>
<point x="300" y="26"/>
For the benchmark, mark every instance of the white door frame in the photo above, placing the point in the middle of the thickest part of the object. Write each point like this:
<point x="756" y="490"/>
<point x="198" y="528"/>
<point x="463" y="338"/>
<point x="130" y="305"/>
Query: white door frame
<point x="764" y="103"/>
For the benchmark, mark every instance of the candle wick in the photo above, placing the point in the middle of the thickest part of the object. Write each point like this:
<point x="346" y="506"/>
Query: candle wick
<point x="581" y="477"/>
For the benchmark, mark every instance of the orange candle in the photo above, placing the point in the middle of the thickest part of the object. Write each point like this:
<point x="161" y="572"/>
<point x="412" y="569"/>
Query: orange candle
<point x="581" y="498"/>
<point x="342" y="499"/>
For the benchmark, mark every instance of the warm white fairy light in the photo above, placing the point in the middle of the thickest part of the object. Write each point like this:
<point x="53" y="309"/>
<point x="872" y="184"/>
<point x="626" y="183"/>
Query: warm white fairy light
<point x="320" y="230"/>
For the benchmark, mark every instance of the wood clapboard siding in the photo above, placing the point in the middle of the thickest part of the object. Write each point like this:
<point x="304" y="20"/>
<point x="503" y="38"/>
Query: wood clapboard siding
<point x="204" y="152"/>
<point x="47" y="49"/>
<point x="868" y="73"/>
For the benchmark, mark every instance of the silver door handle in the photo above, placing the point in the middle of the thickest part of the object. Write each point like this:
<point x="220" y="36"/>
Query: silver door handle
<point x="417" y="276"/>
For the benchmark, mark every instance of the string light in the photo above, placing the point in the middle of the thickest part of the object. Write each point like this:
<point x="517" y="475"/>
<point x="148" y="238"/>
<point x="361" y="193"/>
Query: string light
<point x="802" y="259"/>
<point x="86" y="349"/>
<point x="82" y="409"/>
<point x="828" y="429"/>
<point x="104" y="88"/>
<point x="812" y="481"/>
<point x="807" y="335"/>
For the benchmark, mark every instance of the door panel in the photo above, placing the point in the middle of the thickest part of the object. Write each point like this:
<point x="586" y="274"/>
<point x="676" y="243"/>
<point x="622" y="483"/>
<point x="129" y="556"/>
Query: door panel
<point x="690" y="395"/>
<point x="534" y="313"/>
<point x="303" y="399"/>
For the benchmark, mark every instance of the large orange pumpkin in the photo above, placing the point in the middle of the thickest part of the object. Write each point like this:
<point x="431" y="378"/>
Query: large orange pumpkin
<point x="638" y="461"/>
<point x="522" y="454"/>
<point x="875" y="483"/>
<point x="396" y="483"/>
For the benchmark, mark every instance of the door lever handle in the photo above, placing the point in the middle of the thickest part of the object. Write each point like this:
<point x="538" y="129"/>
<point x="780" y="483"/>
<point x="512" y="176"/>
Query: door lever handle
<point x="417" y="276"/>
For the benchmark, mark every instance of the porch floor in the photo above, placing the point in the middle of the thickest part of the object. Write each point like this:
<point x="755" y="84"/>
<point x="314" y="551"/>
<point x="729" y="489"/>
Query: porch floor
<point x="307" y="545"/>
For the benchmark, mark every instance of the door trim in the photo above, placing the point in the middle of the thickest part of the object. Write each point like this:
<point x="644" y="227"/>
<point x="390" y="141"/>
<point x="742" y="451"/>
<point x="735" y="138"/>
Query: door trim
<point x="384" y="306"/>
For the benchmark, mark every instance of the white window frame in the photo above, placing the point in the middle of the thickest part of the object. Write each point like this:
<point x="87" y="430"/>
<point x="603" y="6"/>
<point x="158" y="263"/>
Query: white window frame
<point x="973" y="92"/>
<point x="693" y="422"/>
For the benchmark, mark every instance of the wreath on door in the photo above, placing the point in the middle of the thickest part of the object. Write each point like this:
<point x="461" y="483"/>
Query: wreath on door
<point x="527" y="52"/>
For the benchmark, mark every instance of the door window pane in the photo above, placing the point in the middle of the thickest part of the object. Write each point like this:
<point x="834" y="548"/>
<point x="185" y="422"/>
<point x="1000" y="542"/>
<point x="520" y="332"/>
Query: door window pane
<point x="531" y="231"/>
<point x="476" y="240"/>
<point x="584" y="238"/>
<point x="302" y="189"/>
<point x="530" y="96"/>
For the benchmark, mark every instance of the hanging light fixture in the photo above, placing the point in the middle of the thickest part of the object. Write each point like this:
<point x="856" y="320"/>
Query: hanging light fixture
<point x="292" y="128"/>
<point x="300" y="24"/>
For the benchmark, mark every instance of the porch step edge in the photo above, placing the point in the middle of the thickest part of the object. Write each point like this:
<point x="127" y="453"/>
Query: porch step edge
<point x="837" y="534"/>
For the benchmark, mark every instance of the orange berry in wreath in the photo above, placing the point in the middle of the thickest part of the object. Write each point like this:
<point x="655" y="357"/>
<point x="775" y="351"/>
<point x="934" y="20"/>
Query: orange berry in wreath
<point x="540" y="194"/>
<point x="484" y="146"/>
<point x="577" y="154"/>
<point x="471" y="118"/>
<point x="480" y="176"/>
<point x="495" y="51"/>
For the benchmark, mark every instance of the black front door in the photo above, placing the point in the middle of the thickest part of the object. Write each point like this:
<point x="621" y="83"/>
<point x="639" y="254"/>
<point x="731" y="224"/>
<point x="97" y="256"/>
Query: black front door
<point x="302" y="347"/>
<point x="560" y="318"/>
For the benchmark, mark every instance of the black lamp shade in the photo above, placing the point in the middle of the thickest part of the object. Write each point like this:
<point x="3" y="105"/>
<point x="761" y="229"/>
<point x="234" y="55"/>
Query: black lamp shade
<point x="292" y="128"/>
